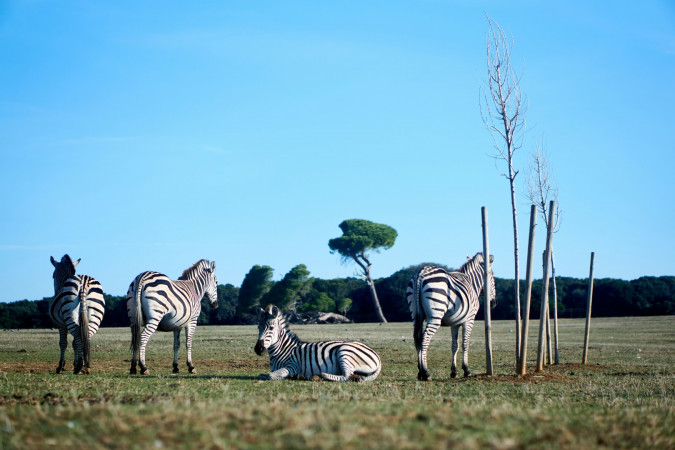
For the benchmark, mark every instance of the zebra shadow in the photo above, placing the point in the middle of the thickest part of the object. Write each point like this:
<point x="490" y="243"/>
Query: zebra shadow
<point x="190" y="377"/>
<point x="214" y="377"/>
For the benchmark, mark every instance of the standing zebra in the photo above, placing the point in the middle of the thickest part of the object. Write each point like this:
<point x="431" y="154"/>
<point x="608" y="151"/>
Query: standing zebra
<point x="330" y="360"/>
<point x="77" y="307"/>
<point x="154" y="302"/>
<point x="445" y="298"/>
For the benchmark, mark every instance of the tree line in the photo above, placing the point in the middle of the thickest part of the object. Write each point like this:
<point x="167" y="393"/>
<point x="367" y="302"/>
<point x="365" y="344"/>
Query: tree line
<point x="298" y="293"/>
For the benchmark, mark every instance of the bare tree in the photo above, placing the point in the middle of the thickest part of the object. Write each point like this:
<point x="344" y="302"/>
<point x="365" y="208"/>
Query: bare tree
<point x="541" y="189"/>
<point x="503" y="112"/>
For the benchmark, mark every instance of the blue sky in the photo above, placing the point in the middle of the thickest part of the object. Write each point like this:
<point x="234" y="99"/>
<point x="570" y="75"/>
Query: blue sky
<point x="147" y="135"/>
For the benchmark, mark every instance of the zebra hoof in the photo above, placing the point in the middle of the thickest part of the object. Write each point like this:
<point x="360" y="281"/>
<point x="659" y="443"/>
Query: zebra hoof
<point x="59" y="369"/>
<point x="453" y="374"/>
<point x="175" y="368"/>
<point x="423" y="376"/>
<point x="467" y="373"/>
<point x="144" y="370"/>
<point x="191" y="369"/>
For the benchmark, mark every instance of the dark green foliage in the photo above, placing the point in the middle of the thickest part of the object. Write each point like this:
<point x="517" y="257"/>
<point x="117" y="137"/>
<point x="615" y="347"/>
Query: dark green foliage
<point x="291" y="289"/>
<point x="115" y="311"/>
<point x="360" y="236"/>
<point x="25" y="314"/>
<point x="257" y="283"/>
<point x="611" y="298"/>
<point x="321" y="302"/>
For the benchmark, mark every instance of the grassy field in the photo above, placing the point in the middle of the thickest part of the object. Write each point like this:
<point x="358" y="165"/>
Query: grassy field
<point x="622" y="399"/>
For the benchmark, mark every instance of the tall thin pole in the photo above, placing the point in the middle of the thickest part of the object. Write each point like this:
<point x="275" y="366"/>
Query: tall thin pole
<point x="555" y="309"/>
<point x="486" y="294"/>
<point x="589" y="302"/>
<point x="521" y="363"/>
<point x="544" y="289"/>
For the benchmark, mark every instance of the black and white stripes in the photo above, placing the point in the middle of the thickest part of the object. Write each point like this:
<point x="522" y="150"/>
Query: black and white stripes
<point x="76" y="308"/>
<point x="445" y="298"/>
<point x="155" y="302"/>
<point x="330" y="360"/>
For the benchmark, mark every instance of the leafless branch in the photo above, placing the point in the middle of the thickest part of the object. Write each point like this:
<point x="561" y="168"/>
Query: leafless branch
<point x="541" y="185"/>
<point x="504" y="109"/>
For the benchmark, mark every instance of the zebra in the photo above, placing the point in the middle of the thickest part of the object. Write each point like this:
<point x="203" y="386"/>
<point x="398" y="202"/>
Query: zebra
<point x="154" y="302"/>
<point x="445" y="298"/>
<point x="76" y="308"/>
<point x="329" y="360"/>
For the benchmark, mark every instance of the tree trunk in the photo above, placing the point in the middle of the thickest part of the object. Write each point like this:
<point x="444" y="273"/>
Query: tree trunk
<point x="365" y="265"/>
<point x="555" y="309"/>
<point x="376" y="301"/>
<point x="516" y="252"/>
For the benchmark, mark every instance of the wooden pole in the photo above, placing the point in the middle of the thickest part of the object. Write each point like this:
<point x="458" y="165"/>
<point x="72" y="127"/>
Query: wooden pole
<point x="544" y="289"/>
<point x="589" y="302"/>
<point x="555" y="309"/>
<point x="521" y="363"/>
<point x="486" y="294"/>
<point x="549" y="354"/>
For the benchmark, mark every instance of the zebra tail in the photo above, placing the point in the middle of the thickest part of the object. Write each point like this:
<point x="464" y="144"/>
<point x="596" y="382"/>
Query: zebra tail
<point x="84" y="322"/>
<point x="416" y="304"/>
<point x="137" y="322"/>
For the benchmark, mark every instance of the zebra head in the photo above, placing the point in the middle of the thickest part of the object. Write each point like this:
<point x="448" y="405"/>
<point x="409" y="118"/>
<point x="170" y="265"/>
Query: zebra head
<point x="63" y="270"/>
<point x="493" y="290"/>
<point x="211" y="283"/>
<point x="269" y="328"/>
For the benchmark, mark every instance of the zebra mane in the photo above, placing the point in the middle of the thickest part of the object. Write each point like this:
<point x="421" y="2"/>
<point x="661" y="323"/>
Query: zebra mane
<point x="282" y="321"/>
<point x="66" y="259"/>
<point x="470" y="263"/>
<point x="190" y="271"/>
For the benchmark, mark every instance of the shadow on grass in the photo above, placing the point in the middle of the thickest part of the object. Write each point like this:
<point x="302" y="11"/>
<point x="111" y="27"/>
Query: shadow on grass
<point x="188" y="377"/>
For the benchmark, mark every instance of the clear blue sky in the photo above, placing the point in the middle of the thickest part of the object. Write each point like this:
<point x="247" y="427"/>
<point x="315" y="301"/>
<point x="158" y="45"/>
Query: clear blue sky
<point x="147" y="135"/>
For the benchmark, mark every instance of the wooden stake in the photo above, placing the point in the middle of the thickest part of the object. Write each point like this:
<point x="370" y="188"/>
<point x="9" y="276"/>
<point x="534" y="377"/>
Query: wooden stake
<point x="544" y="290"/>
<point x="521" y="363"/>
<point x="486" y="294"/>
<point x="555" y="309"/>
<point x="589" y="302"/>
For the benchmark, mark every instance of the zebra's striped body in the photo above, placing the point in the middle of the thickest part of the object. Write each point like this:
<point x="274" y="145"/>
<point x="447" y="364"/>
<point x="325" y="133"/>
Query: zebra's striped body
<point x="155" y="302"/>
<point x="330" y="360"/>
<point x="443" y="298"/>
<point x="76" y="308"/>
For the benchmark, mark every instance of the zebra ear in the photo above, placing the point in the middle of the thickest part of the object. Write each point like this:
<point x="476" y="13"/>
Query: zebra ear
<point x="54" y="263"/>
<point x="492" y="259"/>
<point x="75" y="263"/>
<point x="275" y="311"/>
<point x="213" y="266"/>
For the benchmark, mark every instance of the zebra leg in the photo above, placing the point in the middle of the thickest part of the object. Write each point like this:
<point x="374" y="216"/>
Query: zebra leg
<point x="454" y="329"/>
<point x="148" y="331"/>
<point x="63" y="344"/>
<point x="176" y="347"/>
<point x="347" y="373"/>
<point x="189" y="332"/>
<point x="77" y="348"/>
<point x="466" y="330"/>
<point x="417" y="334"/>
<point x="276" y="375"/>
<point x="423" y="372"/>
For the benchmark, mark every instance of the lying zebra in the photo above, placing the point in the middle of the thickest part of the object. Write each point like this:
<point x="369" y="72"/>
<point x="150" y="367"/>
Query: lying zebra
<point x="330" y="360"/>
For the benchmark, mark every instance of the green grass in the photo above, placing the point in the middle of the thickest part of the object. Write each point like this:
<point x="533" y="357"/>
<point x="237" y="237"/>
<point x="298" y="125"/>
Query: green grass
<point x="622" y="399"/>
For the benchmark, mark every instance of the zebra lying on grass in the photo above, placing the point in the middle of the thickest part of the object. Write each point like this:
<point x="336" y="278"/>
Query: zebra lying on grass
<point x="77" y="307"/>
<point x="329" y="360"/>
<point x="445" y="298"/>
<point x="154" y="302"/>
